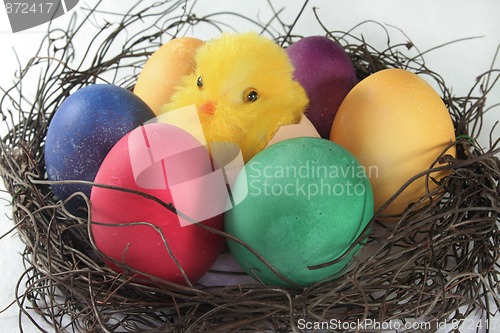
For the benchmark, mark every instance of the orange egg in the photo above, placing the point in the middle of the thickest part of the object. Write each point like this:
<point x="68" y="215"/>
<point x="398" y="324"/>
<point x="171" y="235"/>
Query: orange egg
<point x="397" y="126"/>
<point x="164" y="71"/>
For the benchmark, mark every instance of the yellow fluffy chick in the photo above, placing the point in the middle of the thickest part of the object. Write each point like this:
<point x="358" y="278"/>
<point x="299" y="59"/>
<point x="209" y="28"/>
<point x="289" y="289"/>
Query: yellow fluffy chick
<point x="243" y="89"/>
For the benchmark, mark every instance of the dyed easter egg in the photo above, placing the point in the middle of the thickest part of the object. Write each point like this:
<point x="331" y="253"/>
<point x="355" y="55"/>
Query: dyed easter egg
<point x="304" y="128"/>
<point x="84" y="128"/>
<point x="139" y="232"/>
<point x="164" y="70"/>
<point x="327" y="74"/>
<point x="393" y="121"/>
<point x="307" y="200"/>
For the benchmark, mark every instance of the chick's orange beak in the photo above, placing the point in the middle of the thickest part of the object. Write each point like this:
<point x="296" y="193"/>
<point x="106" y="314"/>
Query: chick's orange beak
<point x="207" y="107"/>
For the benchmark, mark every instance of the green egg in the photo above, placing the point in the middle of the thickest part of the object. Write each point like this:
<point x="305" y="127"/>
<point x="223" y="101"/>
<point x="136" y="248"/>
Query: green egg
<point x="306" y="200"/>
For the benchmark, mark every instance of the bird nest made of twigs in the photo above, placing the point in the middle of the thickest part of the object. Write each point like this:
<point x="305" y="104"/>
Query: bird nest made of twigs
<point x="436" y="262"/>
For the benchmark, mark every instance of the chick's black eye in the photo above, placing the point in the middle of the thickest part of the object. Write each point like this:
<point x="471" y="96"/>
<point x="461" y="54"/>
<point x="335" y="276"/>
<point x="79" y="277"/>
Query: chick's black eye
<point x="199" y="82"/>
<point x="250" y="95"/>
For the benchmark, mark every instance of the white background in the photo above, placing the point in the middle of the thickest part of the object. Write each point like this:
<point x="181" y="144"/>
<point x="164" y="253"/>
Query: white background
<point x="428" y="23"/>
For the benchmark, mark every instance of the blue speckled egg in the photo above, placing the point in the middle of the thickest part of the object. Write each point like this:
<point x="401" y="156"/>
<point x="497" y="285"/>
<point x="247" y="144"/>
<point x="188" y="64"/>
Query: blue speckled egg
<point x="82" y="132"/>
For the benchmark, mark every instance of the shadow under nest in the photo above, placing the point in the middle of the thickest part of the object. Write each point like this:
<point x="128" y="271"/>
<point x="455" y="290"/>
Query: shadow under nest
<point x="437" y="262"/>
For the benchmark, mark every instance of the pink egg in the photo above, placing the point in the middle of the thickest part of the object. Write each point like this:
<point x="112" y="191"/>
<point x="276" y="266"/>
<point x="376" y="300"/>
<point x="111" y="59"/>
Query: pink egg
<point x="137" y="232"/>
<point x="327" y="74"/>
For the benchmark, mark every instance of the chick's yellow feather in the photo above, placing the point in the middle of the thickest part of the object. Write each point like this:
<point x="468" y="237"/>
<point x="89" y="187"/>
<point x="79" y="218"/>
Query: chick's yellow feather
<point x="247" y="82"/>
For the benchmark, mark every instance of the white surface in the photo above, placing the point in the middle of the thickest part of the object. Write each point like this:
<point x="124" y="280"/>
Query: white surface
<point x="428" y="23"/>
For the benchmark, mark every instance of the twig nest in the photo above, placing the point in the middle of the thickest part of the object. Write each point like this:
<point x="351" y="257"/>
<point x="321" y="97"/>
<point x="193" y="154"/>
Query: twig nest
<point x="436" y="261"/>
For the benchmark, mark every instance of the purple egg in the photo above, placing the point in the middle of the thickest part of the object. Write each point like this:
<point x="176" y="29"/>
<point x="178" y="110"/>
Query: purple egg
<point x="84" y="129"/>
<point x="327" y="74"/>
